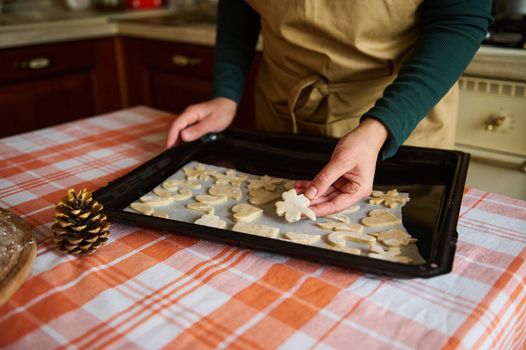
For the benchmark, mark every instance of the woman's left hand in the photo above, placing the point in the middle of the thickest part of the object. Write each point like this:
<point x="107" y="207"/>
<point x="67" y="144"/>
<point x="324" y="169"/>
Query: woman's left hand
<point x="348" y="176"/>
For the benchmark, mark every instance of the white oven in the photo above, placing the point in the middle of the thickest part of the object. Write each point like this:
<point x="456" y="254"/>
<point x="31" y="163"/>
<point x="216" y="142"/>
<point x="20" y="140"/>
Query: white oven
<point x="492" y="128"/>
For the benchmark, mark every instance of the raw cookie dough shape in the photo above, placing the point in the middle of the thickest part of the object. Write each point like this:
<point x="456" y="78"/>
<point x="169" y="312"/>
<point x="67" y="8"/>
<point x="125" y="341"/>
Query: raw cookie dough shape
<point x="245" y="212"/>
<point x="198" y="172"/>
<point x="174" y="184"/>
<point x="302" y="238"/>
<point x="262" y="196"/>
<point x="211" y="200"/>
<point x="394" y="237"/>
<point x="156" y="201"/>
<point x="349" y="250"/>
<point x="161" y="214"/>
<point x="211" y="220"/>
<point x="389" y="199"/>
<point x="391" y="251"/>
<point x="182" y="194"/>
<point x="339" y="238"/>
<point x="229" y="178"/>
<point x="380" y="218"/>
<point x="161" y="192"/>
<point x="227" y="191"/>
<point x="265" y="181"/>
<point x="256" y="229"/>
<point x="293" y="205"/>
<point x="340" y="226"/>
<point x="202" y="207"/>
<point x="339" y="217"/>
<point x="142" y="208"/>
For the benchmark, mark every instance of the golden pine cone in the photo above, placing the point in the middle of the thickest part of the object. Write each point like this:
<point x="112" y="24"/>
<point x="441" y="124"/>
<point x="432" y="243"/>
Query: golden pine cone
<point x="80" y="227"/>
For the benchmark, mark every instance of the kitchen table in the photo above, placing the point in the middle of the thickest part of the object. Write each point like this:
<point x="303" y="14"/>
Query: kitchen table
<point x="148" y="289"/>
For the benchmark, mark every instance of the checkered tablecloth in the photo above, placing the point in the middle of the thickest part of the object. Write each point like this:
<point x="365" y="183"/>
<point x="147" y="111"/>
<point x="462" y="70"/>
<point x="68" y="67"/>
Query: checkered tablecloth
<point x="149" y="290"/>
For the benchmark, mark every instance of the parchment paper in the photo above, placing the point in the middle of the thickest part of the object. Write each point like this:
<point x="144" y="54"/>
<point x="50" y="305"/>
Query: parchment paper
<point x="178" y="211"/>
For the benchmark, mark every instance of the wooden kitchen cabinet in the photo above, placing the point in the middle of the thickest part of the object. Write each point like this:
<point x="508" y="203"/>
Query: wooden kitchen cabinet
<point x="49" y="84"/>
<point x="170" y="76"/>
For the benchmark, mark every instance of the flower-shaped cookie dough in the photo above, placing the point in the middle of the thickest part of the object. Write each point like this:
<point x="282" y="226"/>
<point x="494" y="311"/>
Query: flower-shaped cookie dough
<point x="229" y="178"/>
<point x="265" y="181"/>
<point x="293" y="205"/>
<point x="198" y="172"/>
<point x="389" y="199"/>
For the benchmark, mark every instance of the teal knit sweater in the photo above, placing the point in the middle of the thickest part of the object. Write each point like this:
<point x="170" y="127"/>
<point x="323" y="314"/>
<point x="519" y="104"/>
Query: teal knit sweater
<point x="451" y="33"/>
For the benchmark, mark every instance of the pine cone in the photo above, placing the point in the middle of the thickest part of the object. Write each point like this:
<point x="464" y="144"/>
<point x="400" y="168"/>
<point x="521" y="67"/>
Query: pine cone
<point x="80" y="227"/>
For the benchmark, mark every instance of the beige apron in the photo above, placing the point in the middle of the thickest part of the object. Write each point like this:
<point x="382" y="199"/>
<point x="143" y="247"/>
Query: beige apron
<point x="326" y="62"/>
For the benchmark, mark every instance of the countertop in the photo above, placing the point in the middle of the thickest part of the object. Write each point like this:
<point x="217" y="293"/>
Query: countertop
<point x="148" y="289"/>
<point x="489" y="62"/>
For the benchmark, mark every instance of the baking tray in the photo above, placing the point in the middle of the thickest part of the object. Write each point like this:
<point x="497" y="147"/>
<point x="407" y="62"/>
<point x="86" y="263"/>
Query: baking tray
<point x="433" y="178"/>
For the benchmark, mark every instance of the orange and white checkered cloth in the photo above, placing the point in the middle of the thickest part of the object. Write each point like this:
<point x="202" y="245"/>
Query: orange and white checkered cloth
<point x="149" y="289"/>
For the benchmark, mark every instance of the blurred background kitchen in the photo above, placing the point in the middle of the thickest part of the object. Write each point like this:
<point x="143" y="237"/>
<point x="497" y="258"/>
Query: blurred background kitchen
<point x="62" y="60"/>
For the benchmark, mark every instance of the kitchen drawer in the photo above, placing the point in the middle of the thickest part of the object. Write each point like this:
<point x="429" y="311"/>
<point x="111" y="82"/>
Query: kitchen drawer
<point x="492" y="115"/>
<point x="192" y="60"/>
<point x="492" y="128"/>
<point x="42" y="61"/>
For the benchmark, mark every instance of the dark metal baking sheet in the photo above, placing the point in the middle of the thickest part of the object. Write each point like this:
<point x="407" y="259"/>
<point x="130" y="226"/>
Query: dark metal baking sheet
<point x="434" y="179"/>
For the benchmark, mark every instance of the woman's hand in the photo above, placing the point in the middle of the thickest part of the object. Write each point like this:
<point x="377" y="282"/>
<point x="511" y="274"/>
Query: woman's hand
<point x="348" y="176"/>
<point x="200" y="119"/>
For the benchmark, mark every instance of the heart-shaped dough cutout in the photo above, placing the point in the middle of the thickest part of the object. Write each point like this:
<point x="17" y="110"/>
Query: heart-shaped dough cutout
<point x="211" y="220"/>
<point x="380" y="218"/>
<point x="256" y="229"/>
<point x="246" y="212"/>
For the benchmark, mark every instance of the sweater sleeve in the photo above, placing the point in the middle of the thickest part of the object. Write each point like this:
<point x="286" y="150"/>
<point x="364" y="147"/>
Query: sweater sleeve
<point x="451" y="33"/>
<point x="238" y="28"/>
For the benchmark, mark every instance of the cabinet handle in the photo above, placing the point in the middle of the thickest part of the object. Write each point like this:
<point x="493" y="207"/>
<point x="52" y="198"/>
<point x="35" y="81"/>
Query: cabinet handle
<point x="185" y="61"/>
<point x="36" y="63"/>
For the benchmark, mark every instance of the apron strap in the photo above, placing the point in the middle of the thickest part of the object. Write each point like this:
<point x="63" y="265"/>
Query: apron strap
<point x="308" y="104"/>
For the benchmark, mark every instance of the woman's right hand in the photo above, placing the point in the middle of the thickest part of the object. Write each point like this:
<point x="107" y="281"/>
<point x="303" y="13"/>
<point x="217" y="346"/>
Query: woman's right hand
<point x="200" y="119"/>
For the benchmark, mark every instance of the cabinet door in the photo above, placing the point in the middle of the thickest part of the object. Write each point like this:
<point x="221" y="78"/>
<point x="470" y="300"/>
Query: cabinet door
<point x="44" y="85"/>
<point x="31" y="105"/>
<point x="171" y="76"/>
